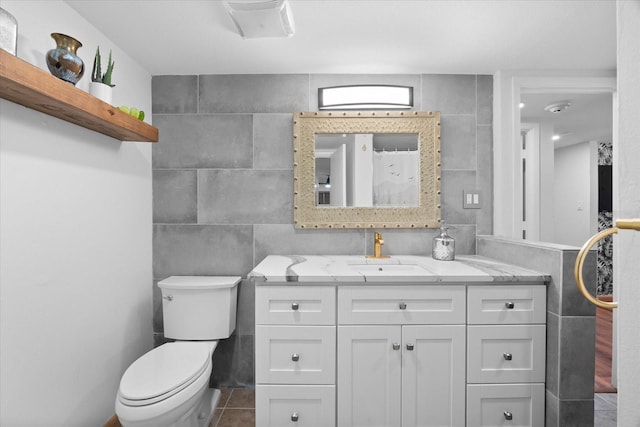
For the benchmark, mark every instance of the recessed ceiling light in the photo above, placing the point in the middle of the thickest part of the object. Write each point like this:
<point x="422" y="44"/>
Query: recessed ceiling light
<point x="558" y="136"/>
<point x="521" y="105"/>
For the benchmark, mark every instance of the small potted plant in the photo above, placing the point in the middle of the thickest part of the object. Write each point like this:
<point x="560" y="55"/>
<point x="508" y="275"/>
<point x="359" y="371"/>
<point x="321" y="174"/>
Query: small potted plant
<point x="101" y="86"/>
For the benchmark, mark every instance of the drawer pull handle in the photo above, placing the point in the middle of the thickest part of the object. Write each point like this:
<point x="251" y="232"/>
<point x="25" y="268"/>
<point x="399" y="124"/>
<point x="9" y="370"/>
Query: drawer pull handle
<point x="295" y="306"/>
<point x="295" y="357"/>
<point x="410" y="347"/>
<point x="507" y="356"/>
<point x="295" y="417"/>
<point x="403" y="306"/>
<point x="396" y="346"/>
<point x="509" y="304"/>
<point x="168" y="297"/>
<point x="508" y="415"/>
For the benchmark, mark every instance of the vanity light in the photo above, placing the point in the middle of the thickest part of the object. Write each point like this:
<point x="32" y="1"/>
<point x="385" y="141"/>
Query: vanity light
<point x="261" y="18"/>
<point x="365" y="97"/>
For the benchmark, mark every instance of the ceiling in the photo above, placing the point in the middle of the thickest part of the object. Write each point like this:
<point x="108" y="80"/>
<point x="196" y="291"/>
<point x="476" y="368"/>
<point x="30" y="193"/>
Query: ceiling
<point x="381" y="37"/>
<point x="365" y="36"/>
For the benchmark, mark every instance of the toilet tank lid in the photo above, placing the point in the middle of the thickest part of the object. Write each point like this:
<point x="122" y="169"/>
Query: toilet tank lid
<point x="199" y="282"/>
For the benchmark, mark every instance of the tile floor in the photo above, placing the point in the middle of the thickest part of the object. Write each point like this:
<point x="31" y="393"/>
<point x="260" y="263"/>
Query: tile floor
<point x="236" y="408"/>
<point x="605" y="407"/>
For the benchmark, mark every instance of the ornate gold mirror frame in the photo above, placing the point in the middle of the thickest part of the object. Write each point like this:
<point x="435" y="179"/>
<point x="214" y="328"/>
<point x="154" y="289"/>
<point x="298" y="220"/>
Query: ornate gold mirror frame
<point x="307" y="125"/>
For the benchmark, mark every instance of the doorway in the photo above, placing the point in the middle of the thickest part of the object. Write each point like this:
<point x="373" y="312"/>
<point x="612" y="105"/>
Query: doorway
<point x="566" y="188"/>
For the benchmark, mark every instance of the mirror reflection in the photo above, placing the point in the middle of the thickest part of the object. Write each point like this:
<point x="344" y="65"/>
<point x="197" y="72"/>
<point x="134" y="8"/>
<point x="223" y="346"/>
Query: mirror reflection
<point x="367" y="169"/>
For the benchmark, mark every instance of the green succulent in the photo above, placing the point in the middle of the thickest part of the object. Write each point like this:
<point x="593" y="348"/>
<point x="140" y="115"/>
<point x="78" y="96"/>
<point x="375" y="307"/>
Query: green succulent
<point x="96" y="73"/>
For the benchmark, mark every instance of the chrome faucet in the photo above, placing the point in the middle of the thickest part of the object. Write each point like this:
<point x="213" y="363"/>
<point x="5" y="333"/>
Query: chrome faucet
<point x="378" y="241"/>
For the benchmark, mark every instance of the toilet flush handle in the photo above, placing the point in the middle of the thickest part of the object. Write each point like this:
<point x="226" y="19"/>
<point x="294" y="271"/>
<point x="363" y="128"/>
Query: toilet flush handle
<point x="168" y="297"/>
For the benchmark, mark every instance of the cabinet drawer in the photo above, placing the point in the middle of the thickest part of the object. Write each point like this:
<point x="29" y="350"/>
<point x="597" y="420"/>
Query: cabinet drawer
<point x="505" y="405"/>
<point x="295" y="354"/>
<point x="506" y="354"/>
<point x="282" y="405"/>
<point x="507" y="304"/>
<point x="296" y="305"/>
<point x="401" y="305"/>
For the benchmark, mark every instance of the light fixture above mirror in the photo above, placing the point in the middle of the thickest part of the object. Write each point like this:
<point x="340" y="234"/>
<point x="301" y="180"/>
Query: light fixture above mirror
<point x="365" y="97"/>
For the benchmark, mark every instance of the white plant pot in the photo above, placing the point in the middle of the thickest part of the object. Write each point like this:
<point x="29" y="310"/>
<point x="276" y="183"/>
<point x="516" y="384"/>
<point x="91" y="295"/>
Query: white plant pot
<point x="101" y="91"/>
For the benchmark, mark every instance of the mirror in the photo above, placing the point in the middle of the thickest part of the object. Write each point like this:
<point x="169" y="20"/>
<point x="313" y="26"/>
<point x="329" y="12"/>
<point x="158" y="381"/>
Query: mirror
<point x="367" y="169"/>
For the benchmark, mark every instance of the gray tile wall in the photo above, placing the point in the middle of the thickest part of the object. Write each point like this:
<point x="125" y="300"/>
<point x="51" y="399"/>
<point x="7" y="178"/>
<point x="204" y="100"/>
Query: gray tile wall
<point x="571" y="325"/>
<point x="223" y="180"/>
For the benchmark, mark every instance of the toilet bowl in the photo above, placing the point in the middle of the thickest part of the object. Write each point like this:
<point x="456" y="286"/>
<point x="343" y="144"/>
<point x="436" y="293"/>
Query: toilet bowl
<point x="169" y="385"/>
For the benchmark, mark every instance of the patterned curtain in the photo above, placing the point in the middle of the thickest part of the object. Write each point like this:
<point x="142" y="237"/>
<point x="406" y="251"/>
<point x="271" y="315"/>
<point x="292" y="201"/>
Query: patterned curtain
<point x="605" y="218"/>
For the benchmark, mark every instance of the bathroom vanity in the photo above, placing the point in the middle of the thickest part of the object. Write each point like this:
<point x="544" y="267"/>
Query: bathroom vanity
<point x="403" y="341"/>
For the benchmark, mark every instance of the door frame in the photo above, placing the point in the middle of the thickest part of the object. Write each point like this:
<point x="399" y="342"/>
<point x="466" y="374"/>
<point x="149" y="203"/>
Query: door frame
<point x="508" y="86"/>
<point x="507" y="89"/>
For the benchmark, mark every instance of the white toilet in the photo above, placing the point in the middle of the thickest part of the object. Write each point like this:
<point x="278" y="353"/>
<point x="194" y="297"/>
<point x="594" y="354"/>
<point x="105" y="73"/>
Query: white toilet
<point x="169" y="386"/>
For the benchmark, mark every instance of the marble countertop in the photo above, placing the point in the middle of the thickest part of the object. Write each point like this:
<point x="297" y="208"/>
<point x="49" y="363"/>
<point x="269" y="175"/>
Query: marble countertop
<point x="356" y="269"/>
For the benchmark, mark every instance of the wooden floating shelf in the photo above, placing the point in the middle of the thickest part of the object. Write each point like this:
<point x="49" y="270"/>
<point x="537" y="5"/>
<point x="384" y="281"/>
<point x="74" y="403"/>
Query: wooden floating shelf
<point x="25" y="84"/>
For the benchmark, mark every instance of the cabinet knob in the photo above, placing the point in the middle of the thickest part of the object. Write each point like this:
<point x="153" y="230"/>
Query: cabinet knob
<point x="295" y="357"/>
<point x="508" y="415"/>
<point x="295" y="417"/>
<point x="403" y="306"/>
<point x="410" y="347"/>
<point x="295" y="306"/>
<point x="509" y="304"/>
<point x="396" y="346"/>
<point x="507" y="356"/>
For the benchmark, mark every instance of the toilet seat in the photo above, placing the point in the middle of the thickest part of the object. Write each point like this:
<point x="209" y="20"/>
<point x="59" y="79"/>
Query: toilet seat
<point x="163" y="372"/>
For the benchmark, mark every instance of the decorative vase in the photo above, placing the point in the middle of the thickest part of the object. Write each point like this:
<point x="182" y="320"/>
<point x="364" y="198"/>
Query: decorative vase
<point x="63" y="61"/>
<point x="101" y="91"/>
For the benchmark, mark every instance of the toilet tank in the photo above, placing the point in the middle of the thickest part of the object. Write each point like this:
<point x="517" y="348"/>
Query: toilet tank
<point x="199" y="307"/>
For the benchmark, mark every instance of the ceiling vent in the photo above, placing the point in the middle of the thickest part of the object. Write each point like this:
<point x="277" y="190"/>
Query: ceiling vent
<point x="261" y="18"/>
<point x="557" y="107"/>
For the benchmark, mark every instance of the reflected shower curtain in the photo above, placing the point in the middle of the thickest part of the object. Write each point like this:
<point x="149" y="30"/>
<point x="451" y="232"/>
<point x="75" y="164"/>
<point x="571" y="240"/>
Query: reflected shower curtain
<point x="395" y="178"/>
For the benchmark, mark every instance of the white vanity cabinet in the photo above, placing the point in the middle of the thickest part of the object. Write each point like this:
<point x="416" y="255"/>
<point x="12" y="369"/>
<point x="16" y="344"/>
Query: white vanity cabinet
<point x="506" y="341"/>
<point x="295" y="348"/>
<point x="401" y="356"/>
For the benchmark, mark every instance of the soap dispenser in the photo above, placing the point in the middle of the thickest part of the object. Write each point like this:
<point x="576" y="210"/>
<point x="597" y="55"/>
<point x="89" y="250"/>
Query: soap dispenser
<point x="444" y="246"/>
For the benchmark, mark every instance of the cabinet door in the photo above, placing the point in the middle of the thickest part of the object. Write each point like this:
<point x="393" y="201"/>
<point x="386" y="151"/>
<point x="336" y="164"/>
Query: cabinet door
<point x="401" y="305"/>
<point x="287" y="405"/>
<point x="295" y="354"/>
<point x="517" y="405"/>
<point x="502" y="305"/>
<point x="369" y="375"/>
<point x="295" y="305"/>
<point x="506" y="354"/>
<point x="433" y="375"/>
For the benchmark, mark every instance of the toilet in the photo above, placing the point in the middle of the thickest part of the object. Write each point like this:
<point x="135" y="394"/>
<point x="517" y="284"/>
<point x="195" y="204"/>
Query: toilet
<point x="169" y="385"/>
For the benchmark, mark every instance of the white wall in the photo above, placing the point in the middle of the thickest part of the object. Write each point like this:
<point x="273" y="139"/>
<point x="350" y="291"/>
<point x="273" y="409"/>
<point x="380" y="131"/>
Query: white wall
<point x="76" y="239"/>
<point x="574" y="193"/>
<point x="627" y="171"/>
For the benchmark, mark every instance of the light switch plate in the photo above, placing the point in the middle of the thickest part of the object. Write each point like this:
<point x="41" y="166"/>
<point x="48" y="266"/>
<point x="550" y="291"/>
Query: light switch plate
<point x="471" y="199"/>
